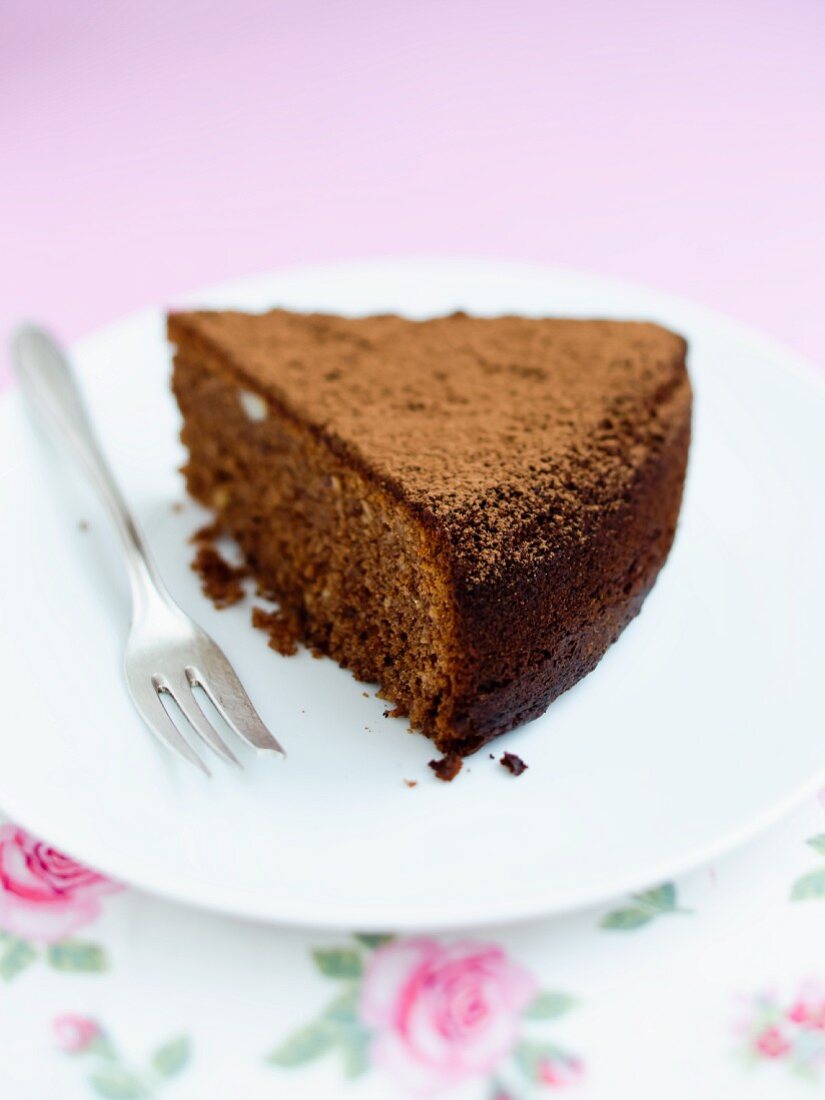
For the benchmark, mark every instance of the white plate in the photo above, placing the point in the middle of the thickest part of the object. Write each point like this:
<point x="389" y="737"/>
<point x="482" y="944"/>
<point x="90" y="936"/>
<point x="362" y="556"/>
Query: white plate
<point x="701" y="726"/>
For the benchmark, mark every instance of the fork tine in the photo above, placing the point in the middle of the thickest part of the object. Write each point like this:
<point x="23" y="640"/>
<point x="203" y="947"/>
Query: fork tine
<point x="183" y="695"/>
<point x="233" y="704"/>
<point x="149" y="706"/>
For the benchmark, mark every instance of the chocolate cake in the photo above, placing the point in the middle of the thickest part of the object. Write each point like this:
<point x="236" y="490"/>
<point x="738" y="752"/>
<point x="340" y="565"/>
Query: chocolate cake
<point x="466" y="510"/>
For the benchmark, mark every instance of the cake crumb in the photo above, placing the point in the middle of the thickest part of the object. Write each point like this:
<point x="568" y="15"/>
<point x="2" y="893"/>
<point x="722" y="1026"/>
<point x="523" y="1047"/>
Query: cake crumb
<point x="317" y="653"/>
<point x="411" y="782"/>
<point x="448" y="767"/>
<point x="207" y="534"/>
<point x="177" y="507"/>
<point x="282" y="630"/>
<point x="220" y="581"/>
<point x="514" y="764"/>
<point x="396" y="712"/>
<point x="265" y="593"/>
<point x="366" y="694"/>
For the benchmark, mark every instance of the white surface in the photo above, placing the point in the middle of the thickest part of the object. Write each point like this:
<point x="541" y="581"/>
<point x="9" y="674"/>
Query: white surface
<point x="700" y="726"/>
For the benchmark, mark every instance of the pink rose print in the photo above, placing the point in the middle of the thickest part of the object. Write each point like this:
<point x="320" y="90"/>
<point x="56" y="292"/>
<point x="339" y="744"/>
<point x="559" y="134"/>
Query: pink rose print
<point x="45" y="896"/>
<point x="442" y="1014"/>
<point x="790" y="1033"/>
<point x="75" y="1034"/>
<point x="434" y="1016"/>
<point x="808" y="1010"/>
<point x="772" y="1043"/>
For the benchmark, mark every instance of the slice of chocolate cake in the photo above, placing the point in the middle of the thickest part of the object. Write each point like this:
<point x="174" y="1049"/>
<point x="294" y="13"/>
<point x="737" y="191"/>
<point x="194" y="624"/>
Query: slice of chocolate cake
<point x="466" y="510"/>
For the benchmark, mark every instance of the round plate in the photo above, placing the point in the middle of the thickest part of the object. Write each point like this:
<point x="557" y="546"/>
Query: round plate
<point x="700" y="726"/>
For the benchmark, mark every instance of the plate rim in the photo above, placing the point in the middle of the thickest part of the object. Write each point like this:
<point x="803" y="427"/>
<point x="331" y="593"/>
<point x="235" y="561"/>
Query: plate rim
<point x="197" y="893"/>
<point x="575" y="902"/>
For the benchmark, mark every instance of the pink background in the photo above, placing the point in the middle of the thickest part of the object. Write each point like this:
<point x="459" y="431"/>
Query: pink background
<point x="149" y="148"/>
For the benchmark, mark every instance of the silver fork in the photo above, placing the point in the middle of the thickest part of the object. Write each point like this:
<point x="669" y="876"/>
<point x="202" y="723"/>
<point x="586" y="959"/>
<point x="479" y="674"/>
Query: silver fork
<point x="166" y="652"/>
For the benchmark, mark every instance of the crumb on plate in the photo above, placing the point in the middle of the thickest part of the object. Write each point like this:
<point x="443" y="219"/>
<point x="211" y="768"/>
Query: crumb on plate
<point x="514" y="764"/>
<point x="448" y="767"/>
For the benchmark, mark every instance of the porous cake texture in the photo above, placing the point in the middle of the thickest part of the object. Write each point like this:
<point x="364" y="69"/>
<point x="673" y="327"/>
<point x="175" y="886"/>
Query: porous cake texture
<point x="466" y="510"/>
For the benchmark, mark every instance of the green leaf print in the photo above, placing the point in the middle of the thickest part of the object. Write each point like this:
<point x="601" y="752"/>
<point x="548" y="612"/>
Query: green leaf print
<point x="623" y="920"/>
<point x="354" y="1045"/>
<point x="810" y="887"/>
<point x="548" y="1005"/>
<point x="338" y="962"/>
<point x="644" y="907"/>
<point x="661" y="897"/>
<point x="374" y="939"/>
<point x="76" y="956"/>
<point x="530" y="1056"/>
<point x="172" y="1057"/>
<point x="303" y="1046"/>
<point x="818" y="844"/>
<point x="344" y="1009"/>
<point x="15" y="957"/>
<point x="114" y="1078"/>
<point x="115" y="1082"/>
<point x="346" y="1032"/>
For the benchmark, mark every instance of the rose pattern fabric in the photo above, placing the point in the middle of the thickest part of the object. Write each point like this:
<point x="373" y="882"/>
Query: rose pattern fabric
<point x="433" y="1016"/>
<point x="560" y="1073"/>
<point x="75" y="1034"/>
<point x="111" y="1075"/>
<point x="45" y="896"/>
<point x="789" y="1032"/>
<point x="780" y="1033"/>
<point x="442" y="1014"/>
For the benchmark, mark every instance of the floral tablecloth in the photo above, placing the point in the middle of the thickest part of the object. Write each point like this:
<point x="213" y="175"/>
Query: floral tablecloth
<point x="712" y="986"/>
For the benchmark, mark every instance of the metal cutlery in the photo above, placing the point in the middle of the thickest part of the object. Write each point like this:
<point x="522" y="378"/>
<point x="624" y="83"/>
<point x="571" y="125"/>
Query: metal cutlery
<point x="166" y="652"/>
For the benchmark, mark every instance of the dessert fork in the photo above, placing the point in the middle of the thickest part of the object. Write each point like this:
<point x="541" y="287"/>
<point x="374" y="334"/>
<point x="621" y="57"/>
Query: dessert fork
<point x="166" y="652"/>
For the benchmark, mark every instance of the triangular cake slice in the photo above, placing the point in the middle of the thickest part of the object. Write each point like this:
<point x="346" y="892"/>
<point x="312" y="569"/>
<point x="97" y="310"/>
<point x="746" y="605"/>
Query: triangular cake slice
<point x="466" y="510"/>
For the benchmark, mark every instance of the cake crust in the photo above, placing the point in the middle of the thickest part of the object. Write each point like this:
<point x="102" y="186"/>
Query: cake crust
<point x="534" y="467"/>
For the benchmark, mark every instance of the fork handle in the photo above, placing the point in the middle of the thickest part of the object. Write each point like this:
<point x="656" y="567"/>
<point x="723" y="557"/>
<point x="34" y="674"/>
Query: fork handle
<point x="49" y="387"/>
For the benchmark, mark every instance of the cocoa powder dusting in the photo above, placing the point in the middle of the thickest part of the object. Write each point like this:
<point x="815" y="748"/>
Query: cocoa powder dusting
<point x="497" y="406"/>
